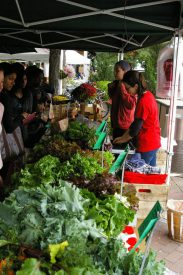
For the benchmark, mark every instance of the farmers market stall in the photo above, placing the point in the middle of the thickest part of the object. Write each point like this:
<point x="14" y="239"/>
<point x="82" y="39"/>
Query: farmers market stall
<point x="62" y="215"/>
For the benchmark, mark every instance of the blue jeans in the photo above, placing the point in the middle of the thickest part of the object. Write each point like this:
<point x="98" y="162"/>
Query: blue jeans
<point x="149" y="157"/>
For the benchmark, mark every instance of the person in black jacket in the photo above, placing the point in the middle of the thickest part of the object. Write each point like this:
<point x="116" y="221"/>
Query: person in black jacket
<point x="17" y="104"/>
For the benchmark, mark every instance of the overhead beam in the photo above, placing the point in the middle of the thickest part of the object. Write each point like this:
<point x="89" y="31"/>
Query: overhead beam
<point x="95" y="11"/>
<point x="10" y="20"/>
<point x="20" y="12"/>
<point x="76" y="38"/>
<point x="122" y="39"/>
<point x="20" y="39"/>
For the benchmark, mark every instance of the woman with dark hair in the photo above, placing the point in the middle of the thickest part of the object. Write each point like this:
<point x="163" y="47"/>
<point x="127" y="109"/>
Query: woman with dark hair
<point x="123" y="103"/>
<point x="17" y="105"/>
<point x="34" y="82"/>
<point x="145" y="127"/>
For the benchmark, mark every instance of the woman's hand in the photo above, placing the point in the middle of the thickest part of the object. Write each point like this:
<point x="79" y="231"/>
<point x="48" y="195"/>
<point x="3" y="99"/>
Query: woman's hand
<point x="125" y="138"/>
<point x="25" y="115"/>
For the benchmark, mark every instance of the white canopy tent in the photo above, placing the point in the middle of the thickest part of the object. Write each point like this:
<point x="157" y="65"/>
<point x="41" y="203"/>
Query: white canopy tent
<point x="42" y="55"/>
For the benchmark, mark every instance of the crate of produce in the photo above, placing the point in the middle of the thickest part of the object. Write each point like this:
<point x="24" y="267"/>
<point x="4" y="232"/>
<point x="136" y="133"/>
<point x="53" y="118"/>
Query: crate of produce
<point x="148" y="193"/>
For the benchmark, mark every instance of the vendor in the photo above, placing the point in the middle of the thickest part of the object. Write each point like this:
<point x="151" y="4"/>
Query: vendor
<point x="145" y="127"/>
<point x="123" y="103"/>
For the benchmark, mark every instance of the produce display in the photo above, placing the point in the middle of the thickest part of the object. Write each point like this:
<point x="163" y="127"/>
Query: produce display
<point x="56" y="225"/>
<point x="81" y="134"/>
<point x="63" y="214"/>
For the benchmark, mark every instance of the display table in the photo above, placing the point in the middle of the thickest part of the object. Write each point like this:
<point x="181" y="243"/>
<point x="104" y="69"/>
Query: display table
<point x="163" y="106"/>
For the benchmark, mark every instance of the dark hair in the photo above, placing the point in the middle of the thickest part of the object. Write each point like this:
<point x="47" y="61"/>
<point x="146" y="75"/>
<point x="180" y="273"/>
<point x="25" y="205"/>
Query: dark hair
<point x="135" y="77"/>
<point x="19" y="69"/>
<point x="7" y="68"/>
<point x="32" y="73"/>
<point x="1" y="68"/>
<point x="124" y="65"/>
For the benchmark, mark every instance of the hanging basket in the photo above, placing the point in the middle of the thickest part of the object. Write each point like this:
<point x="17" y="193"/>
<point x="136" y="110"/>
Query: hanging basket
<point x="175" y="220"/>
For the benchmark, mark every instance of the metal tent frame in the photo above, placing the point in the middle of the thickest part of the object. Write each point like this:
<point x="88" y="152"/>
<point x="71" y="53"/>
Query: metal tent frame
<point x="74" y="25"/>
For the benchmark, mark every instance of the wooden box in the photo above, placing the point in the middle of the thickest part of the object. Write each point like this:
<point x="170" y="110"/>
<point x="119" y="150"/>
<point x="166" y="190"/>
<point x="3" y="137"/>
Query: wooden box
<point x="161" y="159"/>
<point x="60" y="111"/>
<point x="148" y="194"/>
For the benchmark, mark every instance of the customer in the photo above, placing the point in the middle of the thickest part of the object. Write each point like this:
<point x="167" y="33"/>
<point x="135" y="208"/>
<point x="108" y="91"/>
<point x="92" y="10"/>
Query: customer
<point x="145" y="127"/>
<point x="123" y="103"/>
<point x="5" y="97"/>
<point x="17" y="104"/>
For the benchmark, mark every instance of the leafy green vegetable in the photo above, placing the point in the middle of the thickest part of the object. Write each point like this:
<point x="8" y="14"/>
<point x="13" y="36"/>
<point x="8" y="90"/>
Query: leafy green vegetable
<point x="81" y="134"/>
<point x="132" y="264"/>
<point x="45" y="171"/>
<point x="55" y="146"/>
<point x="55" y="249"/>
<point x="110" y="214"/>
<point x="80" y="166"/>
<point x="108" y="157"/>
<point x="31" y="267"/>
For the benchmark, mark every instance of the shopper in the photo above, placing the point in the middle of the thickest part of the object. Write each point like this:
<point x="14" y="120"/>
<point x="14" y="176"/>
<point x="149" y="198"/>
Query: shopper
<point x="145" y="127"/>
<point x="123" y="103"/>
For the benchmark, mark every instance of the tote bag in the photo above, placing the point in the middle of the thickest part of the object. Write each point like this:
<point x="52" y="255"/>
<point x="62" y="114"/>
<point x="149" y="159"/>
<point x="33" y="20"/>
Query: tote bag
<point x="12" y="144"/>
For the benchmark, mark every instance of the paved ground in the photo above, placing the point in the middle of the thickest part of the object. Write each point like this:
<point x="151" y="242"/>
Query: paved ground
<point x="168" y="250"/>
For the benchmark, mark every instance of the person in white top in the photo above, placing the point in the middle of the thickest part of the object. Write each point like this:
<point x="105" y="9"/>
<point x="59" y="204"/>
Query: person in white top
<point x="1" y="110"/>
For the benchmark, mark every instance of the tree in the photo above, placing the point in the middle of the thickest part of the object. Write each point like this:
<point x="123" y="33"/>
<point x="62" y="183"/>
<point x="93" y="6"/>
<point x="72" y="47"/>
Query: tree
<point x="103" y="66"/>
<point x="147" y="57"/>
<point x="54" y="61"/>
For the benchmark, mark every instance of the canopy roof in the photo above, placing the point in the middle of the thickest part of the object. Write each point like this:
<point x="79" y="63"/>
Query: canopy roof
<point x="101" y="25"/>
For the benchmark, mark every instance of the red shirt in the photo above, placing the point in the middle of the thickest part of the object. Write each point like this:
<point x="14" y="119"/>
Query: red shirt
<point x="148" y="138"/>
<point x="123" y="108"/>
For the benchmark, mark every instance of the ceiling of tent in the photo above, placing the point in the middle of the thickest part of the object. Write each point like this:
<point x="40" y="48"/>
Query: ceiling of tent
<point x="100" y="25"/>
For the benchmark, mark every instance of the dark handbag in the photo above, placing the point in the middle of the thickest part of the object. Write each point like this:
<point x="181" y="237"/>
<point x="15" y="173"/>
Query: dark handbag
<point x="12" y="144"/>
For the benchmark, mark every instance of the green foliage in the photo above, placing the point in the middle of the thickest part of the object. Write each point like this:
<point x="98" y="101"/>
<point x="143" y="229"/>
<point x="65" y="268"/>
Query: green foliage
<point x="147" y="57"/>
<point x="31" y="267"/>
<point x="108" y="157"/>
<point x="132" y="264"/>
<point x="80" y="167"/>
<point x="110" y="214"/>
<point x="43" y="216"/>
<point x="57" y="147"/>
<point x="130" y="192"/>
<point x="81" y="134"/>
<point x="104" y="64"/>
<point x="103" y="86"/>
<point x="45" y="171"/>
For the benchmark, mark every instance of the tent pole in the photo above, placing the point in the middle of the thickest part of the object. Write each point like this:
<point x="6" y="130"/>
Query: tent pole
<point x="173" y="101"/>
<point x="120" y="56"/>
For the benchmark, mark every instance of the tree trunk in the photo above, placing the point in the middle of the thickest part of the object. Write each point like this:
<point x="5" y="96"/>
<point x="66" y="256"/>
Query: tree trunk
<point x="54" y="60"/>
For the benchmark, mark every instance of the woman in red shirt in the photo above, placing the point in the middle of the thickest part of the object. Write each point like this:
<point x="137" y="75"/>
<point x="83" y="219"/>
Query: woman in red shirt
<point x="145" y="127"/>
<point x="123" y="103"/>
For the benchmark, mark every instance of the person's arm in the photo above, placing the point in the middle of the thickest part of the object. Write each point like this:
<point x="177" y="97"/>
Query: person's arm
<point x="135" y="127"/>
<point x="131" y="132"/>
<point x="123" y="139"/>
<point x="128" y="100"/>
<point x="112" y="87"/>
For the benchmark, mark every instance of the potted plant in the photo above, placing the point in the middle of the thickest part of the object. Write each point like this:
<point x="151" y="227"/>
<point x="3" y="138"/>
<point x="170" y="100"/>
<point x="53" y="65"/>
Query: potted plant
<point x="83" y="94"/>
